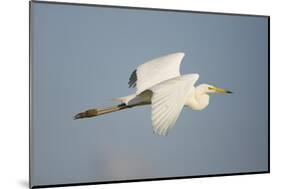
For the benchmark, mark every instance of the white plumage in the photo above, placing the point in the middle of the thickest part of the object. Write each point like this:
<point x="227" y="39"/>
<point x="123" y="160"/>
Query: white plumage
<point x="158" y="70"/>
<point x="167" y="101"/>
<point x="153" y="72"/>
<point x="158" y="82"/>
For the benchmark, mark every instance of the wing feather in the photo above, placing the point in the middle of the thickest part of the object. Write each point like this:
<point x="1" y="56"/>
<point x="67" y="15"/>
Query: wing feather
<point x="133" y="79"/>
<point x="156" y="71"/>
<point x="167" y="101"/>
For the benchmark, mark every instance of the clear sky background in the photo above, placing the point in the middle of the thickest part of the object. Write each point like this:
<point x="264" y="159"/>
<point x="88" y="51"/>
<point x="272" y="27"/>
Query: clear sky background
<point x="82" y="57"/>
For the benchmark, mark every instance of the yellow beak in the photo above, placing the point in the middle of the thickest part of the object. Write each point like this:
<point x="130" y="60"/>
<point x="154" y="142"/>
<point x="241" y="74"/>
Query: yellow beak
<point x="219" y="90"/>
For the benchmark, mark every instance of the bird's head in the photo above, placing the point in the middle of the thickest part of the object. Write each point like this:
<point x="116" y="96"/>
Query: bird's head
<point x="206" y="88"/>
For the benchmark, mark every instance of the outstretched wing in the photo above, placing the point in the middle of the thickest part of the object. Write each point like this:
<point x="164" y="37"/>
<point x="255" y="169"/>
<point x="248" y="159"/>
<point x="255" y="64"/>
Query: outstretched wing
<point x="167" y="101"/>
<point x="156" y="71"/>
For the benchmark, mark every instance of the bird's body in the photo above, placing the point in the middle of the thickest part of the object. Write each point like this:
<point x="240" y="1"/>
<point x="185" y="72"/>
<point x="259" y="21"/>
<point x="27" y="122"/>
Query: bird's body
<point x="158" y="82"/>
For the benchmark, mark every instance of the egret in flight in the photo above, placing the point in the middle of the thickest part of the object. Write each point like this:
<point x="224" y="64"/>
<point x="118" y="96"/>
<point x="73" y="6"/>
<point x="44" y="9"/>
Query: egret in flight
<point x="158" y="82"/>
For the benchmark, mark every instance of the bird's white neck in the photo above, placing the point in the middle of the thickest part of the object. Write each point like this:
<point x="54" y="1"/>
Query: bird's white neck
<point x="199" y="100"/>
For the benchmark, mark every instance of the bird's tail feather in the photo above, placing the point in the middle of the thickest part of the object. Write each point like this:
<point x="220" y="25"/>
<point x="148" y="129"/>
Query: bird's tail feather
<point x="99" y="111"/>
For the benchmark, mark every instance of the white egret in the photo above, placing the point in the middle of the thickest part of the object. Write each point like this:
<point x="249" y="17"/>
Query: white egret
<point x="158" y="82"/>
